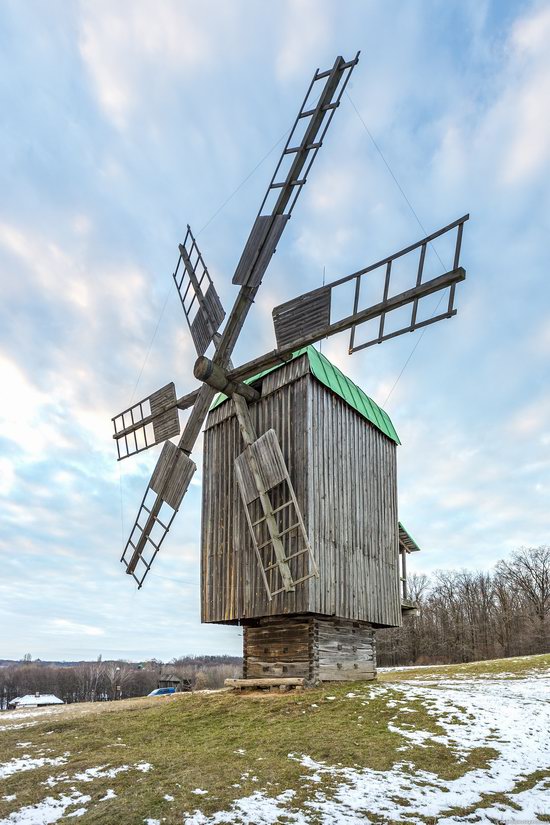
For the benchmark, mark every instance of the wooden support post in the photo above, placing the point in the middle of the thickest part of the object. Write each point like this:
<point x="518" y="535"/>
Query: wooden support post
<point x="249" y="437"/>
<point x="404" y="571"/>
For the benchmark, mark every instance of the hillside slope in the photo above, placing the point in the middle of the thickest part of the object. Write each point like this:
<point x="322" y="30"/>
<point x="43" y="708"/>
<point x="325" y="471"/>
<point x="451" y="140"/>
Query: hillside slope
<point x="452" y="744"/>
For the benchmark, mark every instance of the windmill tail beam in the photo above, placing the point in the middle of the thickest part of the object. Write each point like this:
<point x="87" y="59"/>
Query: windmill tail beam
<point x="215" y="376"/>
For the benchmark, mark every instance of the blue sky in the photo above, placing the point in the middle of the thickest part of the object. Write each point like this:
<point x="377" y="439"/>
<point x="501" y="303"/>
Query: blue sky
<point x="121" y="123"/>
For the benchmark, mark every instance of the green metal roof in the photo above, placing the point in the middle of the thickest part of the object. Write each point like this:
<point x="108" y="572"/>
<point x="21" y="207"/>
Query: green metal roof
<point x="335" y="380"/>
<point x="406" y="539"/>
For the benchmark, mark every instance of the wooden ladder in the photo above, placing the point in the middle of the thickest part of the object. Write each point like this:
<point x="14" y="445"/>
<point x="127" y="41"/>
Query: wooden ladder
<point x="259" y="469"/>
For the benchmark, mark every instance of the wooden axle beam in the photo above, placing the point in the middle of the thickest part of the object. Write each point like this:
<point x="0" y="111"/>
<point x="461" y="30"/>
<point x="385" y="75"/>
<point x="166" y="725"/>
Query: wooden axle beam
<point x="216" y="377"/>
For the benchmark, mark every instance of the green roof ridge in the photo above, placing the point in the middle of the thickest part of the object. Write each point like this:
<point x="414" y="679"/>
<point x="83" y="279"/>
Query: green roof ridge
<point x="333" y="378"/>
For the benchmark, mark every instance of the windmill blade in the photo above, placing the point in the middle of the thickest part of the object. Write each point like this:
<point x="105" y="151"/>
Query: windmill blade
<point x="317" y="121"/>
<point x="304" y="141"/>
<point x="169" y="482"/>
<point x="148" y="422"/>
<point x="165" y="492"/>
<point x="307" y="319"/>
<point x="201" y="305"/>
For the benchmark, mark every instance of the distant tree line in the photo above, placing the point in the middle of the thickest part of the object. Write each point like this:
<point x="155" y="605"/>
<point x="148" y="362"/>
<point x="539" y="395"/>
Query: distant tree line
<point x="462" y="616"/>
<point x="108" y="680"/>
<point x="466" y="615"/>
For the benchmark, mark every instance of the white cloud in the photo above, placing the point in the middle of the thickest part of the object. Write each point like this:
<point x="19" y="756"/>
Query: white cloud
<point x="501" y="132"/>
<point x="137" y="54"/>
<point x="127" y="45"/>
<point x="22" y="419"/>
<point x="527" y="104"/>
<point x="305" y="32"/>
<point x="65" y="626"/>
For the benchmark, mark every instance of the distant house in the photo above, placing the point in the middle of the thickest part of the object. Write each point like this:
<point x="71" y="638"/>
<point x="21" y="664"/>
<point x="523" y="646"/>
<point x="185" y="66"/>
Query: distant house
<point x="34" y="700"/>
<point x="173" y="681"/>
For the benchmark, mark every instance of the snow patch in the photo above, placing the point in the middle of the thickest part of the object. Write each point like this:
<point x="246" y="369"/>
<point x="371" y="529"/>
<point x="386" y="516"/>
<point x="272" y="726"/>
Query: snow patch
<point x="27" y="763"/>
<point x="256" y="809"/>
<point x="47" y="811"/>
<point x="110" y="794"/>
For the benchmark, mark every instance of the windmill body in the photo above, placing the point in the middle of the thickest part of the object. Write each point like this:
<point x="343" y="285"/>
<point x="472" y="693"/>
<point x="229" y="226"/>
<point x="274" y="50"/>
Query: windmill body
<point x="301" y="542"/>
<point x="340" y="451"/>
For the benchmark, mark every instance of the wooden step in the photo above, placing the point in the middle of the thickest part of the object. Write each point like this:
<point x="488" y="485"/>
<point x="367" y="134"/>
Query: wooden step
<point x="266" y="683"/>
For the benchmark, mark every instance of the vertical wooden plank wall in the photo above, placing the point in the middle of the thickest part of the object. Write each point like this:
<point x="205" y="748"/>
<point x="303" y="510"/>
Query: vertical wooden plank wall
<point x="231" y="583"/>
<point x="344" y="473"/>
<point x="353" y="514"/>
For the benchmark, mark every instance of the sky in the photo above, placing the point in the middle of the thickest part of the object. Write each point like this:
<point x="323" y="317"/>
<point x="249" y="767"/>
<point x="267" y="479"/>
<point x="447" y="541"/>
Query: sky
<point x="122" y="122"/>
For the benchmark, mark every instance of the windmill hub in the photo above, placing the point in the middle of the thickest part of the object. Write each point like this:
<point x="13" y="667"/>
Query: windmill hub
<point x="301" y="542"/>
<point x="215" y="376"/>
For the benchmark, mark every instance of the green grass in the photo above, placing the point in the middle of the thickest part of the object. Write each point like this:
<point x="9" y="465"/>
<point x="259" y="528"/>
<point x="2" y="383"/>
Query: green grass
<point x="517" y="668"/>
<point x="191" y="742"/>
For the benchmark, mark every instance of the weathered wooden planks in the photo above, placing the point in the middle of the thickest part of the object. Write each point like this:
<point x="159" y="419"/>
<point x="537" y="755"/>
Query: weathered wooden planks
<point x="269" y="459"/>
<point x="259" y="249"/>
<point x="302" y="317"/>
<point x="343" y="470"/>
<point x="165" y="424"/>
<point x="172" y="475"/>
<point x="207" y="320"/>
<point x="263" y="683"/>
<point x="316" y="648"/>
<point x="344" y="650"/>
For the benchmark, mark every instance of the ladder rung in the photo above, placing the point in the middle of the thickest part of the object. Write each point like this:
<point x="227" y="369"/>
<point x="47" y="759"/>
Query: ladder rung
<point x="265" y="543"/>
<point x="282" y="533"/>
<point x="293" y="584"/>
<point x="295" y="149"/>
<point x="276" y="510"/>
<point x="326" y="108"/>
<point x="290" y="183"/>
<point x="290" y="529"/>
<point x="305" y="578"/>
<point x="282" y="507"/>
<point x="328" y="72"/>
<point x="288" y="558"/>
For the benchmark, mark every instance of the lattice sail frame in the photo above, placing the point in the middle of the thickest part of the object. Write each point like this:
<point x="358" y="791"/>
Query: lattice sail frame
<point x="307" y="318"/>
<point x="313" y="120"/>
<point x="170" y="480"/>
<point x="201" y="304"/>
<point x="148" y="422"/>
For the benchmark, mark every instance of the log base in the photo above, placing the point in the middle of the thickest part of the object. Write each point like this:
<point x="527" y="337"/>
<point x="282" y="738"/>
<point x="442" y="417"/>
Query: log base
<point x="308" y="650"/>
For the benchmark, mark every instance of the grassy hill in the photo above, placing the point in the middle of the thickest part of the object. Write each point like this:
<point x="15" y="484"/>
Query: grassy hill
<point x="438" y="744"/>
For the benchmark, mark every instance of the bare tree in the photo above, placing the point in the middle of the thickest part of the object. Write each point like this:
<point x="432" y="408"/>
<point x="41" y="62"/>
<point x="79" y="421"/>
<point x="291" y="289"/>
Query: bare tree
<point x="529" y="571"/>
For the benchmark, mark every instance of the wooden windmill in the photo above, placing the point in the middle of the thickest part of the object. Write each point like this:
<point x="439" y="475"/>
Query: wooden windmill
<point x="301" y="542"/>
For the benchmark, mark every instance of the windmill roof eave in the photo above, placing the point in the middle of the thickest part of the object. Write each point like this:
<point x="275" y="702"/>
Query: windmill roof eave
<point x="335" y="380"/>
<point x="407" y="540"/>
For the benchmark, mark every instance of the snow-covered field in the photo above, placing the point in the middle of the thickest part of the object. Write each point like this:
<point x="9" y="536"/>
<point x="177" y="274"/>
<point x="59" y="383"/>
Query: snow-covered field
<point x="511" y="716"/>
